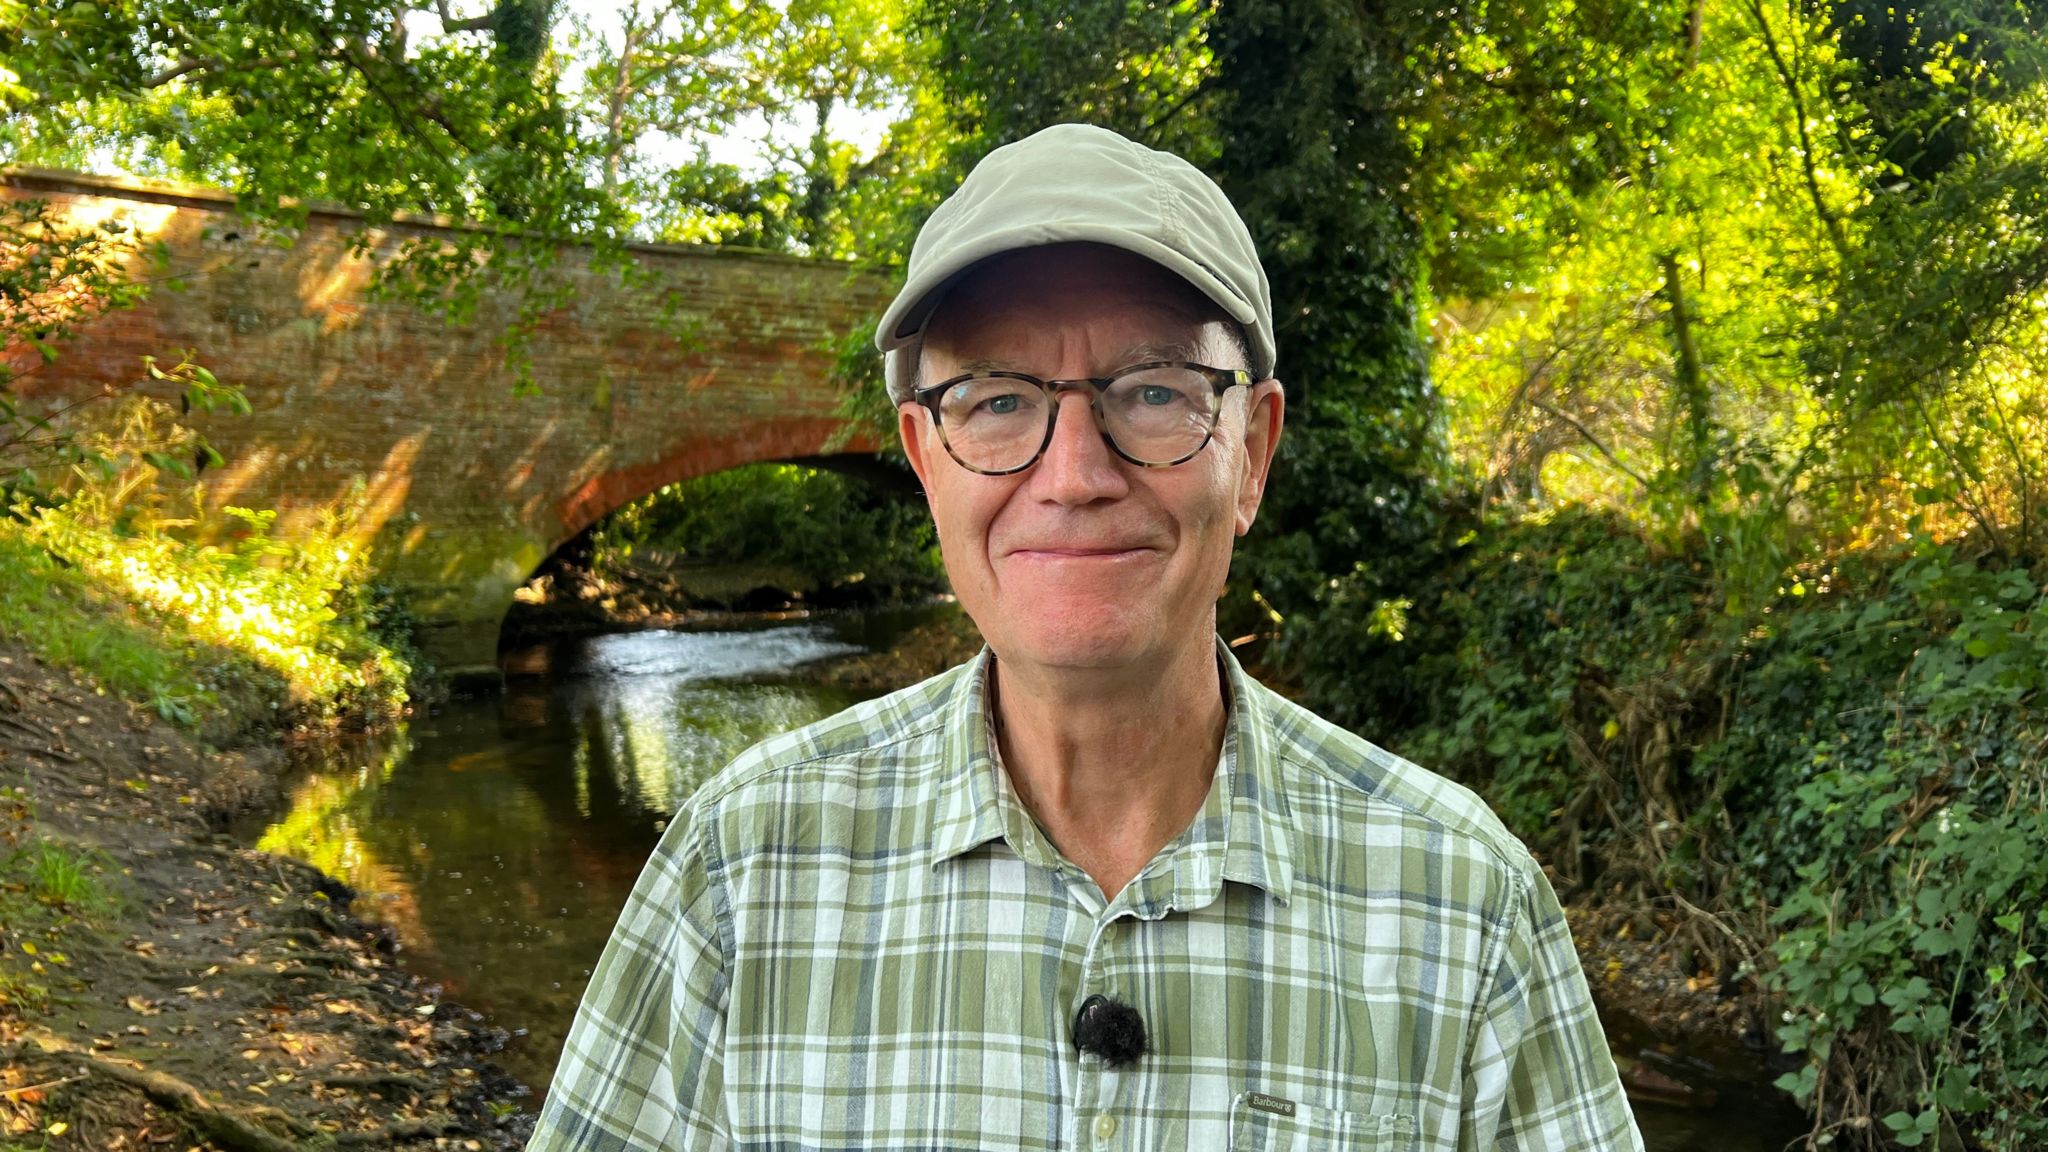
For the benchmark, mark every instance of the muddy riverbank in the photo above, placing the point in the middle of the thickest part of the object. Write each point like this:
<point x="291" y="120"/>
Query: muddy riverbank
<point x="163" y="987"/>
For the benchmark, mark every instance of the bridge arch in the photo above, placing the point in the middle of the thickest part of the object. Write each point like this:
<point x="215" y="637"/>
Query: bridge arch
<point x="461" y="487"/>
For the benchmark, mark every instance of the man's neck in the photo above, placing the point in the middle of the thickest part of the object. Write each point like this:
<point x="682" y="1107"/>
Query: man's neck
<point x="1112" y="767"/>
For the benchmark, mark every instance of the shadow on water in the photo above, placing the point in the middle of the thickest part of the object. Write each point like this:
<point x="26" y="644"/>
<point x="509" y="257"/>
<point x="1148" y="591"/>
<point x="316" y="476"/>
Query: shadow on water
<point x="499" y="838"/>
<point x="1743" y="1112"/>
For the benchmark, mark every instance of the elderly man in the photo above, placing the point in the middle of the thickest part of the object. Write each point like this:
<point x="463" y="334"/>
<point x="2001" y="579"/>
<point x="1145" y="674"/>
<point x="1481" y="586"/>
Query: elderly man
<point x="1097" y="888"/>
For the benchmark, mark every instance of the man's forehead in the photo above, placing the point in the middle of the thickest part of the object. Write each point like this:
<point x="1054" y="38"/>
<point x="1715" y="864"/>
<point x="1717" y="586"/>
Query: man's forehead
<point x="1003" y="308"/>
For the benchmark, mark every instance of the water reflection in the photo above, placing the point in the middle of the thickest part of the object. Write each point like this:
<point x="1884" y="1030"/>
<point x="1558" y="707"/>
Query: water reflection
<point x="499" y="838"/>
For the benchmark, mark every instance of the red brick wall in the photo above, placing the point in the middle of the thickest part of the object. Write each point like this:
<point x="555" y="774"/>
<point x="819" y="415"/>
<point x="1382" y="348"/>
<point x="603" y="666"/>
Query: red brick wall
<point x="467" y="485"/>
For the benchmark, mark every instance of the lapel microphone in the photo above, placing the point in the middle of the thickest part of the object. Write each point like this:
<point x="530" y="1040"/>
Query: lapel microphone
<point x="1111" y="1029"/>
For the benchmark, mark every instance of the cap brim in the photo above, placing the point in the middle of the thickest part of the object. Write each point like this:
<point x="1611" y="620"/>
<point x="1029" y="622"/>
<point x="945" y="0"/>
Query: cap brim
<point x="912" y="308"/>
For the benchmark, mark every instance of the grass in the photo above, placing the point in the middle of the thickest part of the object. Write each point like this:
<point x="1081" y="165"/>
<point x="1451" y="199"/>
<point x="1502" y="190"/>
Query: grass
<point x="214" y="639"/>
<point x="62" y="878"/>
<point x="46" y="889"/>
<point x="56" y="611"/>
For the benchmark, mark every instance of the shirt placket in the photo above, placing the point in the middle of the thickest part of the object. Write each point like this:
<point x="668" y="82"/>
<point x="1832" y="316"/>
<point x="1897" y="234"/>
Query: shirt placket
<point x="1102" y="1094"/>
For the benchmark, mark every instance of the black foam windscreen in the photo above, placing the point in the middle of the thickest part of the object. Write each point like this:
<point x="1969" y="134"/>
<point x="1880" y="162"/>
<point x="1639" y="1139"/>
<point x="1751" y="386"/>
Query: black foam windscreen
<point x="1111" y="1029"/>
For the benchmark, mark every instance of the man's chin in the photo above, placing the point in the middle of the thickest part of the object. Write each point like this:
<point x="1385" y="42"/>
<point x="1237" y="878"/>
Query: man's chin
<point x="1078" y="641"/>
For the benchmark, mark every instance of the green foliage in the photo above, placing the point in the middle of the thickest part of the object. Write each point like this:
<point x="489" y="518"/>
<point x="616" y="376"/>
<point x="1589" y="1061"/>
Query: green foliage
<point x="66" y="619"/>
<point x="1010" y="69"/>
<point x="1860" y="759"/>
<point x="678" y="73"/>
<point x="1314" y="159"/>
<point x="1892" y="732"/>
<point x="275" y="603"/>
<point x="295" y="102"/>
<point x="830" y="530"/>
<point x="61" y="877"/>
<point x="1558" y="664"/>
<point x="215" y="637"/>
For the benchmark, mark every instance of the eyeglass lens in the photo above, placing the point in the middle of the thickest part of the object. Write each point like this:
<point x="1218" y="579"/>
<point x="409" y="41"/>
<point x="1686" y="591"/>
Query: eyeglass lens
<point x="1156" y="415"/>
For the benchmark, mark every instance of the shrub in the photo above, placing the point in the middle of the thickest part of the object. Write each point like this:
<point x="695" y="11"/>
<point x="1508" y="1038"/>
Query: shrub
<point x="1885" y="760"/>
<point x="1861" y="760"/>
<point x="202" y="630"/>
<point x="1553" y="663"/>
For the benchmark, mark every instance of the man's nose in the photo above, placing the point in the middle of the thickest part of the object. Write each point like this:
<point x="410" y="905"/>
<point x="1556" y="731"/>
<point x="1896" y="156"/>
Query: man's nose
<point x="1078" y="466"/>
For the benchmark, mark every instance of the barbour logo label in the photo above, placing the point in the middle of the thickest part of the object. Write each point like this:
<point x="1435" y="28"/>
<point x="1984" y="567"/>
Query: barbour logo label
<point x="1273" y="1104"/>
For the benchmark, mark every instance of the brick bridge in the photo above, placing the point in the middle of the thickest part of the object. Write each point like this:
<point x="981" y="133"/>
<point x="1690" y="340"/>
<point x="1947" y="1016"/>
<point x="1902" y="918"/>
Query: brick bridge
<point x="464" y="485"/>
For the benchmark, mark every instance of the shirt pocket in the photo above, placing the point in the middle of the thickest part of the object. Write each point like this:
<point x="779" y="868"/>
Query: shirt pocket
<point x="1262" y="1123"/>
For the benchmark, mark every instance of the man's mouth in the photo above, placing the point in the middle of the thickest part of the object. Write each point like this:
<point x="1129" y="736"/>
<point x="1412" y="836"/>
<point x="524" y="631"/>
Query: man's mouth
<point x="1078" y="551"/>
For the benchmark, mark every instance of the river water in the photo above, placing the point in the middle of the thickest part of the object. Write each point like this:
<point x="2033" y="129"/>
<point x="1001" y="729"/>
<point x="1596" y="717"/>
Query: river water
<point x="499" y="837"/>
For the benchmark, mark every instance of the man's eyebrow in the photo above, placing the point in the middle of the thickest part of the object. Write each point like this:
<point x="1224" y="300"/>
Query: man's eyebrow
<point x="1159" y="350"/>
<point x="983" y="364"/>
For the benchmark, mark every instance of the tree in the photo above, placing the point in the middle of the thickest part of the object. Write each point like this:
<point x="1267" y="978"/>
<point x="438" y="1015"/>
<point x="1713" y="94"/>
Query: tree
<point x="284" y="103"/>
<point x="681" y="71"/>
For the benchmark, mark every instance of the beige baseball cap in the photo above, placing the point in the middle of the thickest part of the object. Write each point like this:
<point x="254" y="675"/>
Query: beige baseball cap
<point x="1077" y="182"/>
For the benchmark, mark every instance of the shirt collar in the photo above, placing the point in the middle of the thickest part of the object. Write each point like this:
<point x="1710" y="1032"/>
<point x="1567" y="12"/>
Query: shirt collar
<point x="971" y="799"/>
<point x="1243" y="833"/>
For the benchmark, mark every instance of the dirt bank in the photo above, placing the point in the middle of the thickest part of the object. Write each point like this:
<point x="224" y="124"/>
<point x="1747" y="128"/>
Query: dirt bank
<point x="162" y="987"/>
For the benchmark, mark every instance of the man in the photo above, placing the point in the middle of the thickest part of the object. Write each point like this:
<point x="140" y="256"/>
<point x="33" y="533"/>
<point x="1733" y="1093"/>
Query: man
<point x="1096" y="889"/>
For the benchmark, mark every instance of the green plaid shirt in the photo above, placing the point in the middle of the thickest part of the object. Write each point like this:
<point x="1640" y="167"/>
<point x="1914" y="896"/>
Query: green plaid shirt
<point x="855" y="937"/>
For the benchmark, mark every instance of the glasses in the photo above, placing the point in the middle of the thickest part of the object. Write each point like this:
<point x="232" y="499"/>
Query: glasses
<point x="1155" y="414"/>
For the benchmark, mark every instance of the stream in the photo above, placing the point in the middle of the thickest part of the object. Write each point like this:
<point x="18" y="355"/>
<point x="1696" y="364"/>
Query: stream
<point x="498" y="838"/>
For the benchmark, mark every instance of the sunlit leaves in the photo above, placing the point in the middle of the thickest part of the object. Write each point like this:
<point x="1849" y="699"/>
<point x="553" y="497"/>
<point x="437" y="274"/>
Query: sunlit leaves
<point x="674" y="76"/>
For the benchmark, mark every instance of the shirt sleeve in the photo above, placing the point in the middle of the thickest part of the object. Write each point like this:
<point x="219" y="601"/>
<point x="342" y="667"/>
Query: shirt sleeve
<point x="1538" y="1073"/>
<point x="643" y="1069"/>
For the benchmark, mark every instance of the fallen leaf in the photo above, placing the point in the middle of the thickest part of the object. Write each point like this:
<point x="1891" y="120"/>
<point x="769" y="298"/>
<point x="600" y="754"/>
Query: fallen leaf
<point x="144" y="1007"/>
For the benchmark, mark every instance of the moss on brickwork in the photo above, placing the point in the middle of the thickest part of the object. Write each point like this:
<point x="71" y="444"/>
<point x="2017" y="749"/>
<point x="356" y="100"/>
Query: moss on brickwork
<point x="457" y="582"/>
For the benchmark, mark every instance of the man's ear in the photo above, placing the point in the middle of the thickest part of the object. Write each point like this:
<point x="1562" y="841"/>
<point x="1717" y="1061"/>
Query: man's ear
<point x="1262" y="424"/>
<point x="913" y="421"/>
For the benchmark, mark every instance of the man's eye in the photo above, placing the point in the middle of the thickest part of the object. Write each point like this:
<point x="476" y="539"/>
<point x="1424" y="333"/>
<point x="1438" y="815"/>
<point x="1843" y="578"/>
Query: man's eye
<point x="1003" y="405"/>
<point x="1157" y="395"/>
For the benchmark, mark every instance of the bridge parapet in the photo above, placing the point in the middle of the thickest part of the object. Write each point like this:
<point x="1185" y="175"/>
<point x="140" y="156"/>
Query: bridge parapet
<point x="464" y="485"/>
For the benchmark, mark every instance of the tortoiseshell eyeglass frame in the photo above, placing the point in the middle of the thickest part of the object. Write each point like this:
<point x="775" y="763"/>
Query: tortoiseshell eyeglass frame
<point x="1220" y="379"/>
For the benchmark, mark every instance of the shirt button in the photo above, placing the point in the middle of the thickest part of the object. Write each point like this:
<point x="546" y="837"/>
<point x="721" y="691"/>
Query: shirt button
<point x="1105" y="1126"/>
<point x="1109" y="932"/>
